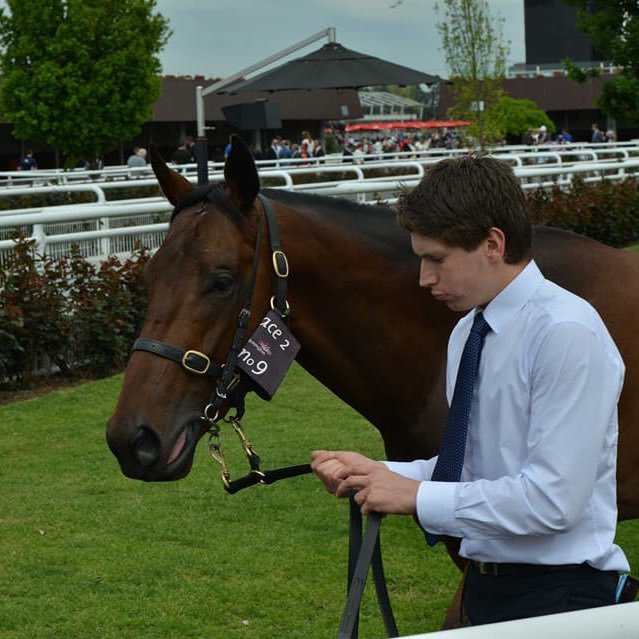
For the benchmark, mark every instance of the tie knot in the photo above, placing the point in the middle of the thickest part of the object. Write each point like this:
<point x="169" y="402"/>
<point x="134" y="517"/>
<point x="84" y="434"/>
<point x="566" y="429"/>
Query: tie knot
<point x="480" y="325"/>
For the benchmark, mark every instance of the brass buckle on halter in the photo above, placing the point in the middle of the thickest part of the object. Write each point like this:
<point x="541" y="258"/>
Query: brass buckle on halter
<point x="190" y="359"/>
<point x="288" y="308"/>
<point x="280" y="259"/>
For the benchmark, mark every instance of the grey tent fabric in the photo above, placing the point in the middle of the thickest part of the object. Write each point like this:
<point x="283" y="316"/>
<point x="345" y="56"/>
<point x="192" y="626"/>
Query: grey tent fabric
<point x="332" y="67"/>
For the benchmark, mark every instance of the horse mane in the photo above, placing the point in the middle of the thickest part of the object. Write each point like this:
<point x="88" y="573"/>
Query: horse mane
<point x="371" y="222"/>
<point x="374" y="222"/>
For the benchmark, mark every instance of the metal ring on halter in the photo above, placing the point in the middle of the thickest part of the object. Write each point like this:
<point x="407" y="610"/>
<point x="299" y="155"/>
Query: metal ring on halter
<point x="288" y="308"/>
<point x="215" y="417"/>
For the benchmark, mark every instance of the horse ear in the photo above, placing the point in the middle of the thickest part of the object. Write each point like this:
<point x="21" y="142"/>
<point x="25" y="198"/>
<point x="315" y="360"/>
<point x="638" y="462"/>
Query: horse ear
<point x="241" y="176"/>
<point x="173" y="185"/>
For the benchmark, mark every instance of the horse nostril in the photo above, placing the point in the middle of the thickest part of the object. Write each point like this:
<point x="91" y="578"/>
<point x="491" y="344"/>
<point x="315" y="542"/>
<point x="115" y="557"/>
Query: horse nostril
<point x="146" y="446"/>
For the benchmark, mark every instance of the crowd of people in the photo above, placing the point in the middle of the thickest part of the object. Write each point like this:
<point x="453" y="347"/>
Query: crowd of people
<point x="542" y="135"/>
<point x="310" y="150"/>
<point x="368" y="149"/>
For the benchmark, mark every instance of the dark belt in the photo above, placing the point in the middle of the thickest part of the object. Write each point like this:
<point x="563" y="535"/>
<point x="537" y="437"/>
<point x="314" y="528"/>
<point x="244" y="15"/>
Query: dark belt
<point x="522" y="570"/>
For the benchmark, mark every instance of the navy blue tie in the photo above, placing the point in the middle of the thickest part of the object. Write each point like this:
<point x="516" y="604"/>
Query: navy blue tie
<point x="451" y="454"/>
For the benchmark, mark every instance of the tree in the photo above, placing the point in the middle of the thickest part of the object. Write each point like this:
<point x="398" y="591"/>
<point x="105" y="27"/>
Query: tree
<point x="80" y="75"/>
<point x="613" y="28"/>
<point x="475" y="53"/>
<point x="516" y="117"/>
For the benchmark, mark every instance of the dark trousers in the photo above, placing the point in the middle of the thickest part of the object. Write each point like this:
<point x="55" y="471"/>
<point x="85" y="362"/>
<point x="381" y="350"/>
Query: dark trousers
<point x="491" y="598"/>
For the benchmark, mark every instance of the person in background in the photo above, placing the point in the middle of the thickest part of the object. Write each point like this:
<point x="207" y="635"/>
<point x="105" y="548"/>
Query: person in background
<point x="347" y="152"/>
<point x="542" y="135"/>
<point x="181" y="155"/>
<point x="273" y="152"/>
<point x="285" y="152"/>
<point x="566" y="136"/>
<point x="136" y="162"/>
<point x="318" y="151"/>
<point x="597" y="134"/>
<point x="526" y="473"/>
<point x="190" y="146"/>
<point x="28" y="162"/>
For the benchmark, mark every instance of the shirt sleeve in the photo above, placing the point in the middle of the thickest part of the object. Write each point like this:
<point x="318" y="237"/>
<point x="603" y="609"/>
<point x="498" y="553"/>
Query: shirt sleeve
<point x="575" y="386"/>
<point x="420" y="469"/>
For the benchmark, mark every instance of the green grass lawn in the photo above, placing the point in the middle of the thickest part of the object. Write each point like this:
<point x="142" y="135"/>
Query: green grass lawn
<point x="88" y="554"/>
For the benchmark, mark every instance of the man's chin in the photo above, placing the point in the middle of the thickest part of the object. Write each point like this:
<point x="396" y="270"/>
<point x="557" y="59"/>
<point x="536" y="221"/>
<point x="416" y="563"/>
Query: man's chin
<point x="458" y="306"/>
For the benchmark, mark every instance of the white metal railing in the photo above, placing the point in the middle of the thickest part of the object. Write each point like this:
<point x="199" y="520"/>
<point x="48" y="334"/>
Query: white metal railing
<point x="608" y="622"/>
<point x="104" y="228"/>
<point x="123" y="176"/>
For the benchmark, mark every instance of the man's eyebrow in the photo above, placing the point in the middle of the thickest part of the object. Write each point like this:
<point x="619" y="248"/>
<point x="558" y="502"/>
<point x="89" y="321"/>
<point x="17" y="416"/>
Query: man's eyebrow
<point x="436" y="254"/>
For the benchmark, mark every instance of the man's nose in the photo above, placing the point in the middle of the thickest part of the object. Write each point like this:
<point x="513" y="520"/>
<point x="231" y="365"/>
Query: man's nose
<point x="427" y="276"/>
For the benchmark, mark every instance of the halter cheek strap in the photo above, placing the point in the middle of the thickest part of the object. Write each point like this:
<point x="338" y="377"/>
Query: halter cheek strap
<point x="278" y="258"/>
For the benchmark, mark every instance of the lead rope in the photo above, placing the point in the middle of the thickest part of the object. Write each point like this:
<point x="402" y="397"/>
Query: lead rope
<point x="361" y="555"/>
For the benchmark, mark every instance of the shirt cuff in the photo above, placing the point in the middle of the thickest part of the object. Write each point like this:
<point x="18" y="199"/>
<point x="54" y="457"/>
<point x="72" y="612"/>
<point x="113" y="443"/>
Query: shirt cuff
<point x="436" y="507"/>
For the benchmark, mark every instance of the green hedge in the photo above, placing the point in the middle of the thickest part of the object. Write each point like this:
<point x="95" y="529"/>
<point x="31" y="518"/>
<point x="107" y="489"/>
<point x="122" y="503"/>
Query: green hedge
<point x="604" y="211"/>
<point x="66" y="315"/>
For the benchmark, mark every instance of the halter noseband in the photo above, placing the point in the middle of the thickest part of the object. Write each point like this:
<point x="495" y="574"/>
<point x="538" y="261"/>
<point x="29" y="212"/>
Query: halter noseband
<point x="226" y="376"/>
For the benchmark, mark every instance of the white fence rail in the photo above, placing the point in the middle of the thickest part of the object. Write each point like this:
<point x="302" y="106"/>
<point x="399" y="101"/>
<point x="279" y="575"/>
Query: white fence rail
<point x="126" y="176"/>
<point x="609" y="622"/>
<point x="104" y="228"/>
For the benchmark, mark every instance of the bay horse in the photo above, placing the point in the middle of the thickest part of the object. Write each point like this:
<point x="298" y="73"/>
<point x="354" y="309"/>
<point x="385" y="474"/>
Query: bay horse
<point x="366" y="329"/>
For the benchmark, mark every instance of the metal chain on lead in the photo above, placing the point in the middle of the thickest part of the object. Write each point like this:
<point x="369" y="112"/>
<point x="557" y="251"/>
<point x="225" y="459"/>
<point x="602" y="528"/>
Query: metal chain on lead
<point x="253" y="457"/>
<point x="215" y="449"/>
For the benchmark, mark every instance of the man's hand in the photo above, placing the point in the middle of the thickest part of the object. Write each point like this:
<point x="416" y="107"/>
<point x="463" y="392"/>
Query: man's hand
<point x="377" y="488"/>
<point x="330" y="466"/>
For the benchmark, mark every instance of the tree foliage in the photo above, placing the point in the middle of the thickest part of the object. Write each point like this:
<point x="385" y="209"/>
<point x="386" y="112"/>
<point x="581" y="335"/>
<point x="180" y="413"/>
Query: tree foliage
<point x="516" y="117"/>
<point x="613" y="28"/>
<point x="80" y="75"/>
<point x="475" y="52"/>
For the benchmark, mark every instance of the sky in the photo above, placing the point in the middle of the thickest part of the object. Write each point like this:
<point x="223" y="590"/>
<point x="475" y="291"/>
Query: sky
<point x="218" y="38"/>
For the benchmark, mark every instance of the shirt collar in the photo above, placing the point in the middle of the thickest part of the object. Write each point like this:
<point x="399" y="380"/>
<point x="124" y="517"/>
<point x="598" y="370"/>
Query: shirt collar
<point x="512" y="298"/>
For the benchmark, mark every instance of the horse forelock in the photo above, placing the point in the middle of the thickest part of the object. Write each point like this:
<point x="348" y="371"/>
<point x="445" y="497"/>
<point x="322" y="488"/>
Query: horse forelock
<point x="208" y="195"/>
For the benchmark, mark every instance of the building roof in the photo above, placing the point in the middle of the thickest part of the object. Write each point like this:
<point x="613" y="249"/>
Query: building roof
<point x="382" y="104"/>
<point x="549" y="93"/>
<point x="177" y="102"/>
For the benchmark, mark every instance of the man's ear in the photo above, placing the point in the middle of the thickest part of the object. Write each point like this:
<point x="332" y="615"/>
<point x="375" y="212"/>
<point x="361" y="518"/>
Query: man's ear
<point x="495" y="244"/>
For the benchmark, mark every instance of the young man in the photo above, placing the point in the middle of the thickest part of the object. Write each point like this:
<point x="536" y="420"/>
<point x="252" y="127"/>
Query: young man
<point x="534" y="499"/>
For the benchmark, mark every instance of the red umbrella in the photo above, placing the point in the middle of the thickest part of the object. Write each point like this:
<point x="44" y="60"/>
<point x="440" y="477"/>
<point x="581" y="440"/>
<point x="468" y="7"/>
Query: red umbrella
<point x="407" y="124"/>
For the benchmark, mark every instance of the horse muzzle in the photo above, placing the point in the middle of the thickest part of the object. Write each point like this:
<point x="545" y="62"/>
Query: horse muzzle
<point x="142" y="453"/>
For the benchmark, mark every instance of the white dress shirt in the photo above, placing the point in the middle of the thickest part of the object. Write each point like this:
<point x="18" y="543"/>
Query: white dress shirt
<point x="538" y="484"/>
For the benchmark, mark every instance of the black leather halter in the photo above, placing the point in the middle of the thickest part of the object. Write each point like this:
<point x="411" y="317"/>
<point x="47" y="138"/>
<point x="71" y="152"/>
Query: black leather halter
<point x="226" y="376"/>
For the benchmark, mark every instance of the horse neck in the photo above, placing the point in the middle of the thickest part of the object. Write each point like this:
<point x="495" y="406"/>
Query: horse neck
<point x="362" y="322"/>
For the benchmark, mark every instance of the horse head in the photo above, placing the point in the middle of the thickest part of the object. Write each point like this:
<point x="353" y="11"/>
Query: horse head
<point x="197" y="283"/>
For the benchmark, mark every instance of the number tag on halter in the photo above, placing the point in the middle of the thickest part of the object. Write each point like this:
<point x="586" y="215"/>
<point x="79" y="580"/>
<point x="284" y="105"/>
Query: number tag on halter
<point x="268" y="354"/>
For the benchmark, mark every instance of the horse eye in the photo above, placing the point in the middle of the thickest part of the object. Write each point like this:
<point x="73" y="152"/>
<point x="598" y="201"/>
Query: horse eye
<point x="222" y="283"/>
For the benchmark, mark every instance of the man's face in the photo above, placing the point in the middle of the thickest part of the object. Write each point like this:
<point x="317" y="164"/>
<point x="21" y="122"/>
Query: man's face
<point x="460" y="279"/>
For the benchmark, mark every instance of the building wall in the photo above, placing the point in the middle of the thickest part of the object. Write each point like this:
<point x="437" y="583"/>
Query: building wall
<point x="552" y="35"/>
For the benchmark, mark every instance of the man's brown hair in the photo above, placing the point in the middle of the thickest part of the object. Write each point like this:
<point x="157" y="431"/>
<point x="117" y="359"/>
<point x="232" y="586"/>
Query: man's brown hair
<point x="459" y="200"/>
